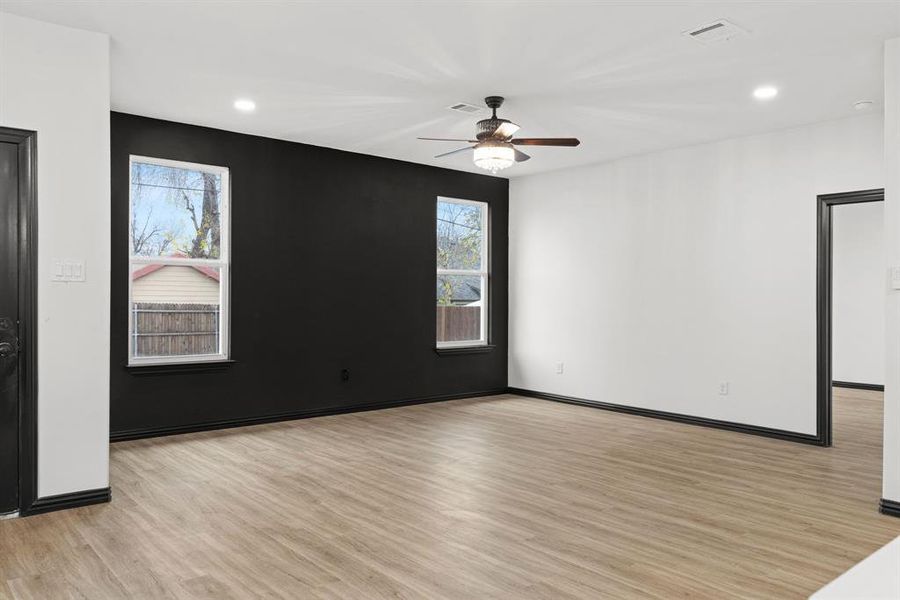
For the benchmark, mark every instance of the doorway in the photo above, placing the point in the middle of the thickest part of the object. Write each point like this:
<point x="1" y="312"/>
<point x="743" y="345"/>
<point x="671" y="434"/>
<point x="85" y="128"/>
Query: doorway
<point x="825" y="305"/>
<point x="18" y="241"/>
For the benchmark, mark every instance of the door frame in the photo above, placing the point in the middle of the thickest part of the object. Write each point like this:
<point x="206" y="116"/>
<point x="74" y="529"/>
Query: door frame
<point x="824" y="263"/>
<point x="27" y="143"/>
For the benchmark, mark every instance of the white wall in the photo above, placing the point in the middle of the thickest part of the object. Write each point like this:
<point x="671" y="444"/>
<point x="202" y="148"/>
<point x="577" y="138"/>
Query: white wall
<point x="55" y="80"/>
<point x="891" y="479"/>
<point x="858" y="293"/>
<point x="655" y="278"/>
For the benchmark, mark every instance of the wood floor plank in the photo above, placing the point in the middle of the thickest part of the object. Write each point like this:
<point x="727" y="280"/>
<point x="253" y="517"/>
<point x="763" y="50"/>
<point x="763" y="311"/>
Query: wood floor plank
<point x="500" y="497"/>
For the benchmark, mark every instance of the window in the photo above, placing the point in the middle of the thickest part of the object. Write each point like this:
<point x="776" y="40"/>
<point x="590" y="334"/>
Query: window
<point x="178" y="262"/>
<point x="462" y="273"/>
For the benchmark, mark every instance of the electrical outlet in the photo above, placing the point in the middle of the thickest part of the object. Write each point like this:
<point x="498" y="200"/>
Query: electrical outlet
<point x="559" y="368"/>
<point x="723" y="388"/>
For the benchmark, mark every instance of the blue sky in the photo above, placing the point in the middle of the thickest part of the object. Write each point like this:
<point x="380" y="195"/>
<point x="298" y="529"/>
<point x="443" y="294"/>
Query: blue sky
<point x="158" y="205"/>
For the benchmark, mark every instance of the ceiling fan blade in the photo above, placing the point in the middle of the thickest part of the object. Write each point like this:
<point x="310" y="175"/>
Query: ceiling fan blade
<point x="545" y="141"/>
<point x="448" y="140"/>
<point x="506" y="130"/>
<point x="521" y="156"/>
<point x="454" y="151"/>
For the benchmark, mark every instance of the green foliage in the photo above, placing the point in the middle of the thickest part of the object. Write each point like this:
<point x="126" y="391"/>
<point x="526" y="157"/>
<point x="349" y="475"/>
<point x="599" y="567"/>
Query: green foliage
<point x="459" y="246"/>
<point x="445" y="295"/>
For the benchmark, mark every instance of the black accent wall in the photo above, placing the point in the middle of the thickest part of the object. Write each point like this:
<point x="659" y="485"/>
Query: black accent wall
<point x="333" y="268"/>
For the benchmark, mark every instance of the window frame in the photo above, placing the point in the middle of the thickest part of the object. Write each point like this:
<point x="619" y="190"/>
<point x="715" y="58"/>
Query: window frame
<point x="484" y="272"/>
<point x="223" y="263"/>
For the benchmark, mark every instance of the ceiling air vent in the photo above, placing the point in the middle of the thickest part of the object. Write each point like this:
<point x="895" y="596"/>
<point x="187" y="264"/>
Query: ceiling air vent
<point x="465" y="107"/>
<point x="715" y="32"/>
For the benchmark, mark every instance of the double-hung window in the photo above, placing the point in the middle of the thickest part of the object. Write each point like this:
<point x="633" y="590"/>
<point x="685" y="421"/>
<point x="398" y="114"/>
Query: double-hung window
<point x="178" y="266"/>
<point x="462" y="273"/>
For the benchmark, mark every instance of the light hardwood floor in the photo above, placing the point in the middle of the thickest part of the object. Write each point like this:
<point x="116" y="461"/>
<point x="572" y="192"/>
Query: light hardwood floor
<point x="502" y="497"/>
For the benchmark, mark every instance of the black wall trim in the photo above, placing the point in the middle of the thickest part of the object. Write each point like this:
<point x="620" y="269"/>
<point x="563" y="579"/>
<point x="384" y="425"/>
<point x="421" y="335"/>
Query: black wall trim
<point x="779" y="434"/>
<point x="27" y="144"/>
<point x="71" y="500"/>
<point x="193" y="367"/>
<point x="875" y="387"/>
<point x="134" y="434"/>
<point x="889" y="507"/>
<point x="824" y="382"/>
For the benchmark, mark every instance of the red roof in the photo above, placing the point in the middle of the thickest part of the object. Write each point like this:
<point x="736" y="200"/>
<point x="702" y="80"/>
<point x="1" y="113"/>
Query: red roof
<point x="210" y="272"/>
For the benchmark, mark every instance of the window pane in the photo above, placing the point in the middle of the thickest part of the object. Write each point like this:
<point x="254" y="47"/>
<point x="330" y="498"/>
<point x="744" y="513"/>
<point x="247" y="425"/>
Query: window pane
<point x="459" y="236"/>
<point x="175" y="211"/>
<point x="459" y="306"/>
<point x="175" y="310"/>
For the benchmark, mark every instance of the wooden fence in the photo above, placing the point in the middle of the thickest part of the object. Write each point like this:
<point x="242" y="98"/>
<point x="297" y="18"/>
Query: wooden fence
<point x="165" y="329"/>
<point x="458" y="323"/>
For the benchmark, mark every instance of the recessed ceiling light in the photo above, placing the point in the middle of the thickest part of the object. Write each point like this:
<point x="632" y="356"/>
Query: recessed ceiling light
<point x="765" y="92"/>
<point x="245" y="105"/>
<point x="863" y="105"/>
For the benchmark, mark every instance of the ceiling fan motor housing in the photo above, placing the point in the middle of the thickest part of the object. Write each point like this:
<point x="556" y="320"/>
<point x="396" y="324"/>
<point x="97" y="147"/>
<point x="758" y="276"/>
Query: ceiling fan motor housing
<point x="486" y="128"/>
<point x="494" y="102"/>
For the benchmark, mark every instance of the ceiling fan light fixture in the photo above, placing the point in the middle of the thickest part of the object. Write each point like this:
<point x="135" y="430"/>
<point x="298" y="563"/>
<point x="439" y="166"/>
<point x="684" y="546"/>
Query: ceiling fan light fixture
<point x="495" y="146"/>
<point x="494" y="156"/>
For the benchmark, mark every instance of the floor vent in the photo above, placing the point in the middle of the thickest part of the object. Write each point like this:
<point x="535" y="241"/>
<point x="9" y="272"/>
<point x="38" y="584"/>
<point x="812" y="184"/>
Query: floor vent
<point x="715" y="32"/>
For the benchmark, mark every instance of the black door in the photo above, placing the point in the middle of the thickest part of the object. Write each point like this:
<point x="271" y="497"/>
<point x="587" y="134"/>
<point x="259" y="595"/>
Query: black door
<point x="9" y="325"/>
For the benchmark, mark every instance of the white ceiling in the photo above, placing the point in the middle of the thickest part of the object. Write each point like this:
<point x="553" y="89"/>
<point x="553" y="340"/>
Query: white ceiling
<point x="372" y="76"/>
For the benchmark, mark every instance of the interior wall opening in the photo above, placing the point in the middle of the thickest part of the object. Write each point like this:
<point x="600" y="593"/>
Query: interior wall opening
<point x="851" y="316"/>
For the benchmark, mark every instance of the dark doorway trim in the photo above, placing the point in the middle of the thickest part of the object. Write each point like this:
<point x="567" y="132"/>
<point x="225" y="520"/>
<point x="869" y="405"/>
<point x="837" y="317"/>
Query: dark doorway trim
<point x="874" y="387"/>
<point x="824" y="383"/>
<point x="27" y="143"/>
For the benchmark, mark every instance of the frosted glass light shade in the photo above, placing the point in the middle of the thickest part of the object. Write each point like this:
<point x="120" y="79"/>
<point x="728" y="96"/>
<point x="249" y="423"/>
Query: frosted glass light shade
<point x="494" y="156"/>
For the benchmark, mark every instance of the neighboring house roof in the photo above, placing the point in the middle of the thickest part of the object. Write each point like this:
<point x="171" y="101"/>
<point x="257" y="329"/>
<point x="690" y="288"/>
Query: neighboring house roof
<point x="461" y="291"/>
<point x="210" y="272"/>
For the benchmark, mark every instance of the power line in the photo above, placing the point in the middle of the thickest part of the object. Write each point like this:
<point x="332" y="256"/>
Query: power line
<point x="170" y="187"/>
<point x="459" y="224"/>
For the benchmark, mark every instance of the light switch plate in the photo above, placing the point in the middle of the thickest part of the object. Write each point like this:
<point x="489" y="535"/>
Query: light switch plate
<point x="895" y="278"/>
<point x="68" y="270"/>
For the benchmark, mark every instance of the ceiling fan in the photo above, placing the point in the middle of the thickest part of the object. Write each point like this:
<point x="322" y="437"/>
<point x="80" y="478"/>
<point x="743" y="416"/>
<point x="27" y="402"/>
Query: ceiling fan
<point x="495" y="146"/>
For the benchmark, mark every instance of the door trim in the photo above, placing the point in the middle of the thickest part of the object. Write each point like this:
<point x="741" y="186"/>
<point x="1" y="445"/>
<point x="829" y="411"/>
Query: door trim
<point x="27" y="143"/>
<point x="825" y="202"/>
